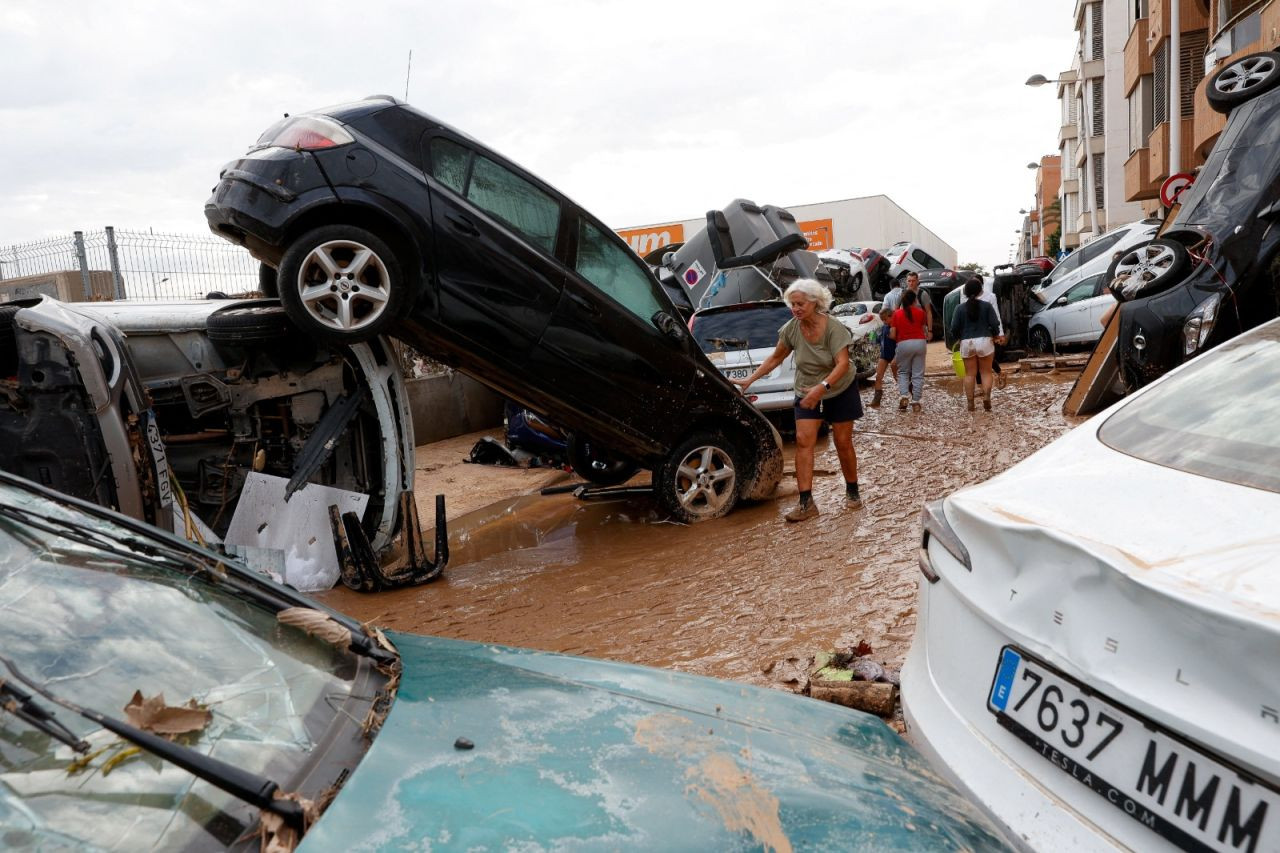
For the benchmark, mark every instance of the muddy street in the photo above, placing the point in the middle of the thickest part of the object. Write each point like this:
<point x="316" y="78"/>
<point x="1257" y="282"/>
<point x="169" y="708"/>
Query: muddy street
<point x="726" y="598"/>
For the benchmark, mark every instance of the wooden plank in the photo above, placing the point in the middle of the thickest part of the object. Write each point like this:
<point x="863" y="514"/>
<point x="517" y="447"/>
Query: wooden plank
<point x="1092" y="390"/>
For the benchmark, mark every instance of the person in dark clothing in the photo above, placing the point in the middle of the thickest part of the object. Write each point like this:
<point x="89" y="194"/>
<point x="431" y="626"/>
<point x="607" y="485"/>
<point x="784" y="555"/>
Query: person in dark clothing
<point x="976" y="326"/>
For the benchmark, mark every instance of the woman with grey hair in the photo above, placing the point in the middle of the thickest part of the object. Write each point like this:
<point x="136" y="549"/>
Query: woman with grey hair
<point x="825" y="387"/>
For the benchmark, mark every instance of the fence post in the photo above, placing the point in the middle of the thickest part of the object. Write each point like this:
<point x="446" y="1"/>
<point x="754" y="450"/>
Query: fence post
<point x="117" y="283"/>
<point x="83" y="260"/>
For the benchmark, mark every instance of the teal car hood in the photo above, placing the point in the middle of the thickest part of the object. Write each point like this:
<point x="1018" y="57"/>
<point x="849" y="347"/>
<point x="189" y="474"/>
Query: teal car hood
<point x="571" y="753"/>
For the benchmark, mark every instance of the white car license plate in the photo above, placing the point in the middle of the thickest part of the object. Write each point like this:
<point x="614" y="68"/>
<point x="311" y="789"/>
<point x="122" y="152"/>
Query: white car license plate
<point x="736" y="372"/>
<point x="1191" y="797"/>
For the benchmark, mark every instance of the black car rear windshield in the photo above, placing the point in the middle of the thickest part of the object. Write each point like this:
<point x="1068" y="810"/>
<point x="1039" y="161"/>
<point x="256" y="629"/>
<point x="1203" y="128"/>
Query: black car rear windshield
<point x="741" y="328"/>
<point x="1217" y="418"/>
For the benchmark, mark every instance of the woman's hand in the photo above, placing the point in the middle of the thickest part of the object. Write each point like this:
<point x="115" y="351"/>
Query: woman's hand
<point x="813" y="397"/>
<point x="741" y="383"/>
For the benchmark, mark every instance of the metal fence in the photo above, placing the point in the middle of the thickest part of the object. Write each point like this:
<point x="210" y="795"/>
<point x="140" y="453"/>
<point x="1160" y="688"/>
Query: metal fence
<point x="141" y="264"/>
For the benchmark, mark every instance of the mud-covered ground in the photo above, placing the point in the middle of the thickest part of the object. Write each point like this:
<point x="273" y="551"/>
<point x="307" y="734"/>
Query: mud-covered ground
<point x="726" y="598"/>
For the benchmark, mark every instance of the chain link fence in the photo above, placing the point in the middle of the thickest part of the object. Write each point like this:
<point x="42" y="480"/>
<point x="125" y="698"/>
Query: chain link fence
<point x="123" y="264"/>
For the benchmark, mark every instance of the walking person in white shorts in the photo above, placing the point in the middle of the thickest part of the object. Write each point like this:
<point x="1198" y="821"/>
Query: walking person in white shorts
<point x="976" y="325"/>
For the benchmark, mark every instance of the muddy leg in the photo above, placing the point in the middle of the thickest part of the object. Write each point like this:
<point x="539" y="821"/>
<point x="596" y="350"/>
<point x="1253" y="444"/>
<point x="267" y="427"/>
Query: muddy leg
<point x="806" y="438"/>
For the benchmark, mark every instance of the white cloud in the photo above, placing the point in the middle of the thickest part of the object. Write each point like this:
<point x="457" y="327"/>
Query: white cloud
<point x="123" y="113"/>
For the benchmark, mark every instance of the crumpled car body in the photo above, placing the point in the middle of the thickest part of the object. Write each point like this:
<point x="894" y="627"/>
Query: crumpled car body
<point x="399" y="741"/>
<point x="1229" y="223"/>
<point x="1094" y="662"/>
<point x="381" y="218"/>
<point x="166" y="399"/>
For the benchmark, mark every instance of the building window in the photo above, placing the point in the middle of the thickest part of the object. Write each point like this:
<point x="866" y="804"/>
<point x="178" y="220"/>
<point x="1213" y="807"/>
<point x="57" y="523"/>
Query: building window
<point x="1141" y="117"/>
<point x="1095" y="31"/>
<point x="1099" y="182"/>
<point x="1192" y="49"/>
<point x="1096" y="124"/>
<point x="1138" y="10"/>
<point x="1160" y="87"/>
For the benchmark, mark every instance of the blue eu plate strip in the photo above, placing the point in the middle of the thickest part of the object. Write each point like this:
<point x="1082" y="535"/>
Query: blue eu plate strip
<point x="1009" y="660"/>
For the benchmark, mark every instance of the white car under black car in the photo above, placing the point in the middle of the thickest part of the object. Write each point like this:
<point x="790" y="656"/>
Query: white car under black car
<point x="1097" y="657"/>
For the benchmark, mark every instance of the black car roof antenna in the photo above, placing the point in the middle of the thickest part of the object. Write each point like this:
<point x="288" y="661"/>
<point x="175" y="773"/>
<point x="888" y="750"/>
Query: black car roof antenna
<point x="256" y="790"/>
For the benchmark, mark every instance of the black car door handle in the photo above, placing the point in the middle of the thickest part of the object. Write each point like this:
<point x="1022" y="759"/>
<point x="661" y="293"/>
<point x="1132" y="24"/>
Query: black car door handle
<point x="582" y="304"/>
<point x="462" y="223"/>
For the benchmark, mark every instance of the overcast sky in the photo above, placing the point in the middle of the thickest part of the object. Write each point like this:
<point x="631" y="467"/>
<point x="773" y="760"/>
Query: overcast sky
<point x="643" y="111"/>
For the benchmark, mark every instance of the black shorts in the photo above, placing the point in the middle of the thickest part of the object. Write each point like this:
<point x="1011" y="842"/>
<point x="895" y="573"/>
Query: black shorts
<point x="845" y="406"/>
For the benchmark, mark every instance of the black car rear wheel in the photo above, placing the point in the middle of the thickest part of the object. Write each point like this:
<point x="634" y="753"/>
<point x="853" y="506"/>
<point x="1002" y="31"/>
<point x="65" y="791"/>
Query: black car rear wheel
<point x="8" y="341"/>
<point x="598" y="464"/>
<point x="342" y="283"/>
<point x="1147" y="269"/>
<point x="1243" y="79"/>
<point x="699" y="480"/>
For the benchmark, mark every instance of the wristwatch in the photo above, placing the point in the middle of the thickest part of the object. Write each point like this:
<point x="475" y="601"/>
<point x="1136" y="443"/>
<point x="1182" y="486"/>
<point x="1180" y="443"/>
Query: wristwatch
<point x="826" y="384"/>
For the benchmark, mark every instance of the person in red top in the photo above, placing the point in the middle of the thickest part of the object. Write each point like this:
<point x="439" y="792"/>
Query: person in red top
<point x="908" y="327"/>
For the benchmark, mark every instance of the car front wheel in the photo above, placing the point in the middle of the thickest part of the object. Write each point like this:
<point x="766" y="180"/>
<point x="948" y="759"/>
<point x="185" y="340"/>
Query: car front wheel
<point x="342" y="284"/>
<point x="1147" y="269"/>
<point x="1243" y="79"/>
<point x="699" y="480"/>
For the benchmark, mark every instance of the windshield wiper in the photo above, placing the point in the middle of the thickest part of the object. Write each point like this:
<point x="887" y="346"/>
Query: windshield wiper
<point x="23" y="706"/>
<point x="178" y="556"/>
<point x="256" y="790"/>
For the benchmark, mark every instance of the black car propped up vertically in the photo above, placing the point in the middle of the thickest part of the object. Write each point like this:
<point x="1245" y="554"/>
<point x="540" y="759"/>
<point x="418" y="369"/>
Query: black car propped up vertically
<point x="379" y="218"/>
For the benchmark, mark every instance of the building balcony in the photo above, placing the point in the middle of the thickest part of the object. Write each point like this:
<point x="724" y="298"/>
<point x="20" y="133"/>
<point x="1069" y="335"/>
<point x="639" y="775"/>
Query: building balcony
<point x="1137" y="59"/>
<point x="1070" y="185"/>
<point x="1067" y="132"/>
<point x="1137" y="177"/>
<point x="1206" y="124"/>
<point x="1091" y="145"/>
<point x="1193" y="18"/>
<point x="1093" y="68"/>
<point x="1158" y="151"/>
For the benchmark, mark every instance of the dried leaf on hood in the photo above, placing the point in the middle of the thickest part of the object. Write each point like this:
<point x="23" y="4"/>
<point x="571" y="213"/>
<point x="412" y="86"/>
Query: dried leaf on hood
<point x="153" y="715"/>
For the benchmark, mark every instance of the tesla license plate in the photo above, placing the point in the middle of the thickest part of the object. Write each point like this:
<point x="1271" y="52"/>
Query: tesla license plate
<point x="1187" y="795"/>
<point x="736" y="372"/>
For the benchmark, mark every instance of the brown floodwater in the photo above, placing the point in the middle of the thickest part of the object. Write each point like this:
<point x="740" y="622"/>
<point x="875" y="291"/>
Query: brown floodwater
<point x="730" y="597"/>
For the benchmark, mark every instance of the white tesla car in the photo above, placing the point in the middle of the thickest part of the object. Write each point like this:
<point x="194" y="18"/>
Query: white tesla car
<point x="1097" y="658"/>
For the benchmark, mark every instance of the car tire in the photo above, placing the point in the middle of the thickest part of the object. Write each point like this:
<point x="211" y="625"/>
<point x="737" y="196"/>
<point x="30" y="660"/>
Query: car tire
<point x="268" y="281"/>
<point x="1039" y="340"/>
<point x="326" y="301"/>
<point x="699" y="480"/>
<point x="1147" y="269"/>
<point x="598" y="464"/>
<point x="8" y="341"/>
<point x="1242" y="80"/>
<point x="249" y="324"/>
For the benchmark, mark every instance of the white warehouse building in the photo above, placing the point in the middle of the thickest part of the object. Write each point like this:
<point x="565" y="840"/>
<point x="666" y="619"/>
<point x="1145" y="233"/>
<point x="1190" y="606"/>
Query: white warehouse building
<point x="875" y="222"/>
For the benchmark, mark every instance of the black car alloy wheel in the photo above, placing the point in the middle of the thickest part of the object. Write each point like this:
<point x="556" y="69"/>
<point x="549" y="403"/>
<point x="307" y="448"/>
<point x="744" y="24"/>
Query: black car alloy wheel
<point x="699" y="479"/>
<point x="1243" y="79"/>
<point x="1147" y="269"/>
<point x="342" y="283"/>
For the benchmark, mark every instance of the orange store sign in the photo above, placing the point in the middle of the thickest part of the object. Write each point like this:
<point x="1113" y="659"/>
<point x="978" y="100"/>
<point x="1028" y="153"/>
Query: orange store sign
<point x="645" y="240"/>
<point x="818" y="233"/>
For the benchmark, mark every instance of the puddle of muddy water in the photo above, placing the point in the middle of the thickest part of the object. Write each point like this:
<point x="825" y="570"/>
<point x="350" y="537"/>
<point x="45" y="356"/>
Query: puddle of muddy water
<point x="729" y="597"/>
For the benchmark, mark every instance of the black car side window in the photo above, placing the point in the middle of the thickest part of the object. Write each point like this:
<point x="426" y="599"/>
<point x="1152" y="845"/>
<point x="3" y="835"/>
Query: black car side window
<point x="616" y="272"/>
<point x="449" y="162"/>
<point x="506" y="195"/>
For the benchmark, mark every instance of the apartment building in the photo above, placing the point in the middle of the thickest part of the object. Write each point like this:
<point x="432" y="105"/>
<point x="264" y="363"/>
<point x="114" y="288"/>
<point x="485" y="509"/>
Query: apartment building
<point x="1093" y="141"/>
<point x="1044" y="217"/>
<point x="1211" y="33"/>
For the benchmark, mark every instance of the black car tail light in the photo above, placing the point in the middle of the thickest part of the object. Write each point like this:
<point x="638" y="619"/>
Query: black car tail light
<point x="306" y="133"/>
<point x="934" y="523"/>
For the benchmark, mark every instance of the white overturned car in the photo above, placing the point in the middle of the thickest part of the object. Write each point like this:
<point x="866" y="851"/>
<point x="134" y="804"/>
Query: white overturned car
<point x="1097" y="658"/>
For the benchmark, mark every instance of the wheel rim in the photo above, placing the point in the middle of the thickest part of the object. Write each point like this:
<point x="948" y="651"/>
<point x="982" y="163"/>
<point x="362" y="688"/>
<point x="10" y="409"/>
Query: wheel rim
<point x="1040" y="340"/>
<point x="1244" y="75"/>
<point x="1142" y="266"/>
<point x="704" y="480"/>
<point x="344" y="285"/>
